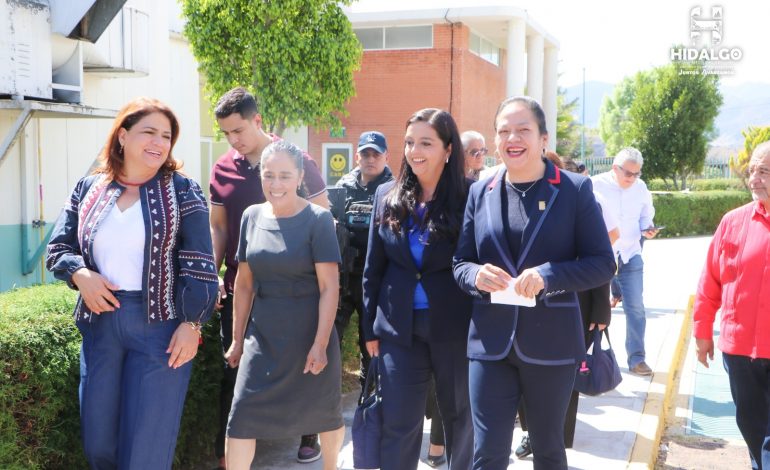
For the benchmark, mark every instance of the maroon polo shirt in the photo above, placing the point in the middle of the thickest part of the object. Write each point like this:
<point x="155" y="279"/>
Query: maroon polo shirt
<point x="236" y="185"/>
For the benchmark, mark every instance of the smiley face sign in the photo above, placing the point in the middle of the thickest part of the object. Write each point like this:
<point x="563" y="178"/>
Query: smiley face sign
<point x="337" y="160"/>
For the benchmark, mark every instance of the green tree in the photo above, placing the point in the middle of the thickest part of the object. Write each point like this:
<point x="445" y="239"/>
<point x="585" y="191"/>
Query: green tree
<point x="668" y="115"/>
<point x="296" y="56"/>
<point x="568" y="129"/>
<point x="752" y="136"/>
<point x="613" y="115"/>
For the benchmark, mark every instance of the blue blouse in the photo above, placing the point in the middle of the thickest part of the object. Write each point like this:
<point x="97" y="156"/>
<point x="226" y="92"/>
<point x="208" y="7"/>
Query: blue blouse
<point x="417" y="241"/>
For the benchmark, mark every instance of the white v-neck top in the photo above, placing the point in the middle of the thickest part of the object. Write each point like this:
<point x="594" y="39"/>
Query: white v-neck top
<point x="119" y="247"/>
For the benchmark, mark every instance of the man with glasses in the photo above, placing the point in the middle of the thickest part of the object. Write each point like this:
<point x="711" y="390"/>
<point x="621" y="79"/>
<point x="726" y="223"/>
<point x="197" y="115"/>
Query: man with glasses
<point x="475" y="151"/>
<point x="360" y="184"/>
<point x="630" y="202"/>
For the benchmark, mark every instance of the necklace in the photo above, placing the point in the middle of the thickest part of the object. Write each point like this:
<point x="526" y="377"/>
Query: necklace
<point x="522" y="192"/>
<point x="126" y="183"/>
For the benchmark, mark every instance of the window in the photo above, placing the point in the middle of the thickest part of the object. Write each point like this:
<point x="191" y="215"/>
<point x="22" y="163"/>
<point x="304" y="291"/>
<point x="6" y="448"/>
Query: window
<point x="484" y="49"/>
<point x="370" y="38"/>
<point x="396" y="37"/>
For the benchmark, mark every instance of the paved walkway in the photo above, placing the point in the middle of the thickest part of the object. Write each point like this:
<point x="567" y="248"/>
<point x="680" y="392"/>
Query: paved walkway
<point x="619" y="429"/>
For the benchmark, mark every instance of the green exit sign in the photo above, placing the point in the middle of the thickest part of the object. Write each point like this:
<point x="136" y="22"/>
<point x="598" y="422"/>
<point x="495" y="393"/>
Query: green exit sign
<point x="337" y="133"/>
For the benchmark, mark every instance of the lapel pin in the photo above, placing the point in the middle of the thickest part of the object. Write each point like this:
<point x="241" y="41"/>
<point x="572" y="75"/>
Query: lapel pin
<point x="541" y="205"/>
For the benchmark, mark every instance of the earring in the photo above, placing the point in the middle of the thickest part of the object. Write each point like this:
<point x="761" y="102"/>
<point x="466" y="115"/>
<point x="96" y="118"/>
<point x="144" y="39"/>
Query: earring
<point x="447" y="159"/>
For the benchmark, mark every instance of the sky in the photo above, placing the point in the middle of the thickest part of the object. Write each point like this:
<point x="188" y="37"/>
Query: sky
<point x="613" y="39"/>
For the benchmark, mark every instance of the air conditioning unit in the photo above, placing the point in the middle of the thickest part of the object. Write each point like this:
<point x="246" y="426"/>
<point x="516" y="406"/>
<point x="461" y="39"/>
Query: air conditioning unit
<point x="25" y="51"/>
<point x="123" y="48"/>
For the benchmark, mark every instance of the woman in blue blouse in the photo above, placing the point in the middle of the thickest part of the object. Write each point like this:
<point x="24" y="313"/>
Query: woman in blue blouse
<point x="415" y="316"/>
<point x="134" y="241"/>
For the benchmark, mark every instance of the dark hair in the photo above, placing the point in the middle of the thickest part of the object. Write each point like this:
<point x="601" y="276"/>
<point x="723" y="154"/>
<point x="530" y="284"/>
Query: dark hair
<point x="111" y="157"/>
<point x="558" y="161"/>
<point x="443" y="217"/>
<point x="570" y="164"/>
<point x="294" y="153"/>
<point x="529" y="103"/>
<point x="238" y="100"/>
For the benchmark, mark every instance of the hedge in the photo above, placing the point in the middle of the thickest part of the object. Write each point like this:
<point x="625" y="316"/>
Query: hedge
<point x="710" y="184"/>
<point x="39" y="363"/>
<point x="694" y="213"/>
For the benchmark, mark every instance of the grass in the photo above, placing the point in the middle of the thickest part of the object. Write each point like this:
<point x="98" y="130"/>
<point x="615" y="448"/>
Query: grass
<point x="351" y="364"/>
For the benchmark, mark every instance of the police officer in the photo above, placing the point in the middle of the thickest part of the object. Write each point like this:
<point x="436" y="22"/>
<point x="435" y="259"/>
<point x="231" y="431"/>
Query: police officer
<point x="360" y="185"/>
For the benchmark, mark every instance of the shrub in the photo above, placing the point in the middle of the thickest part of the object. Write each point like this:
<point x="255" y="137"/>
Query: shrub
<point x="39" y="357"/>
<point x="39" y="363"/>
<point x="705" y="184"/>
<point x="718" y="184"/>
<point x="695" y="213"/>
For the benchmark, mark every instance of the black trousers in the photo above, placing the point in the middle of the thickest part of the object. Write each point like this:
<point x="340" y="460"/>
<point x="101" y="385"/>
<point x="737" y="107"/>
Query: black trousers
<point x="228" y="378"/>
<point x="750" y="388"/>
<point x="406" y="372"/>
<point x="349" y="303"/>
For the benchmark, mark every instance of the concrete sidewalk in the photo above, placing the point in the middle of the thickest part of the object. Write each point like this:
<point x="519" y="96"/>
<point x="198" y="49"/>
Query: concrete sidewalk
<point x="620" y="429"/>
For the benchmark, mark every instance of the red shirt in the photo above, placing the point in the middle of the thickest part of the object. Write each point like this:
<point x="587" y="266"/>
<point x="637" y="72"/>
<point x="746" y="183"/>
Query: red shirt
<point x="236" y="185"/>
<point x="737" y="279"/>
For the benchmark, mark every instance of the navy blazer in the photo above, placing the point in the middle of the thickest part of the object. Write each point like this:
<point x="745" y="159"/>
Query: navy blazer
<point x="390" y="277"/>
<point x="565" y="240"/>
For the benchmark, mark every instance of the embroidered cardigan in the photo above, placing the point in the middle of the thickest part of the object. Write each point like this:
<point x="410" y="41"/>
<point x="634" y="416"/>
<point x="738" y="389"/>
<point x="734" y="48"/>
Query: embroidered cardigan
<point x="179" y="279"/>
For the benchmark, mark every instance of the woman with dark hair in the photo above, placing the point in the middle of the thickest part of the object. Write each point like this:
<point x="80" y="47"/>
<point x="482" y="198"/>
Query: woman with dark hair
<point x="532" y="236"/>
<point x="134" y="241"/>
<point x="285" y="300"/>
<point x="415" y="316"/>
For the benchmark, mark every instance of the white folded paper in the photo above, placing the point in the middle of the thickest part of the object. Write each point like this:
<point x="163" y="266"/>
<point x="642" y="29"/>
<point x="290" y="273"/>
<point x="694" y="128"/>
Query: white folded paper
<point x="510" y="297"/>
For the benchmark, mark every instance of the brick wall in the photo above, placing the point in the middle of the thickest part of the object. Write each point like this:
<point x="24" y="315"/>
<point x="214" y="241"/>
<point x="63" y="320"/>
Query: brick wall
<point x="393" y="84"/>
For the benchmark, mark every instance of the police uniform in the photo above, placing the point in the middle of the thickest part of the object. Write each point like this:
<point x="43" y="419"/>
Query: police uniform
<point x="351" y="300"/>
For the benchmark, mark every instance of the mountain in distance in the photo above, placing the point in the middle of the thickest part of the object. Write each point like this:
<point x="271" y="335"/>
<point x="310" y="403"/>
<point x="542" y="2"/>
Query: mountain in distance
<point x="746" y="104"/>
<point x="595" y="92"/>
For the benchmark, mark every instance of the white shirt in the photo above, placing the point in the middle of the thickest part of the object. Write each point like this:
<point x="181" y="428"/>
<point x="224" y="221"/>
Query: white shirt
<point x="631" y="207"/>
<point x="119" y="247"/>
<point x="609" y="216"/>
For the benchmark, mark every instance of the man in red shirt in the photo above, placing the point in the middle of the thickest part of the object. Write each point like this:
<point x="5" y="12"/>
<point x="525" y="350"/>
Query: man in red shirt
<point x="737" y="279"/>
<point x="236" y="185"/>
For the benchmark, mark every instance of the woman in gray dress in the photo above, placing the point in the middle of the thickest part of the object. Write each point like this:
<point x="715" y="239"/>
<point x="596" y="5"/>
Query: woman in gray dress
<point x="285" y="300"/>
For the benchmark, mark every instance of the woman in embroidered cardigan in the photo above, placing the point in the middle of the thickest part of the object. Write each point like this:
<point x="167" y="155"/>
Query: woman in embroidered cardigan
<point x="134" y="241"/>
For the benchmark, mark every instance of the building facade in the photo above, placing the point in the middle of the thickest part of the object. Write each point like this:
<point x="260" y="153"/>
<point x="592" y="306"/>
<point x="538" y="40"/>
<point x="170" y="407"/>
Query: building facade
<point x="463" y="60"/>
<point x="85" y="59"/>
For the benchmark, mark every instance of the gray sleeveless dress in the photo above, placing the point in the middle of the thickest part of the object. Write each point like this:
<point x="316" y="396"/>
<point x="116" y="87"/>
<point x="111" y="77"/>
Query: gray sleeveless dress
<point x="273" y="398"/>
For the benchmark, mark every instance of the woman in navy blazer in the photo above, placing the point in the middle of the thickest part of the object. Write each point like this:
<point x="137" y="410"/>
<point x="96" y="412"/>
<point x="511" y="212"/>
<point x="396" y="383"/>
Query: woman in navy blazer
<point x="540" y="231"/>
<point x="415" y="316"/>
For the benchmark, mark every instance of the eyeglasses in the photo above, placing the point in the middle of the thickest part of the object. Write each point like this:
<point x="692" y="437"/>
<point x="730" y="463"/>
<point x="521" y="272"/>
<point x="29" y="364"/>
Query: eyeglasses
<point x="477" y="152"/>
<point x="630" y="174"/>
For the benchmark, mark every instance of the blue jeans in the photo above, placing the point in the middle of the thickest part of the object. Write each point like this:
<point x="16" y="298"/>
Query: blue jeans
<point x="130" y="399"/>
<point x="631" y="279"/>
<point x="750" y="388"/>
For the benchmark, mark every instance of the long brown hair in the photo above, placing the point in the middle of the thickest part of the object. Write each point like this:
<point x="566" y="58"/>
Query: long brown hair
<point x="111" y="157"/>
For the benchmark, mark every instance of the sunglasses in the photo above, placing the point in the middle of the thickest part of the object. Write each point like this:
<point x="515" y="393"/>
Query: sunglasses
<point x="477" y="152"/>
<point x="629" y="174"/>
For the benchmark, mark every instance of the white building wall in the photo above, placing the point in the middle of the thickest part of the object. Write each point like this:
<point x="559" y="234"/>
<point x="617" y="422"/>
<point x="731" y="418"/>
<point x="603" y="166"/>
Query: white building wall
<point x="60" y="151"/>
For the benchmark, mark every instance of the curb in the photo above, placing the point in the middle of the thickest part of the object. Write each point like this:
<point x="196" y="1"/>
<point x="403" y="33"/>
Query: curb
<point x="660" y="393"/>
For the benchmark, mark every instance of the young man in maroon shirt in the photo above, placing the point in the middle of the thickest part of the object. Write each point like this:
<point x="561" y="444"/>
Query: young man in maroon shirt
<point x="236" y="185"/>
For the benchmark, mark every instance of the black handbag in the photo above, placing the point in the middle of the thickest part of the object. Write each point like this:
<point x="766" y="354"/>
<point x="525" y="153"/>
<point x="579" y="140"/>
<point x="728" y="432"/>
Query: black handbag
<point x="599" y="373"/>
<point x="367" y="421"/>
